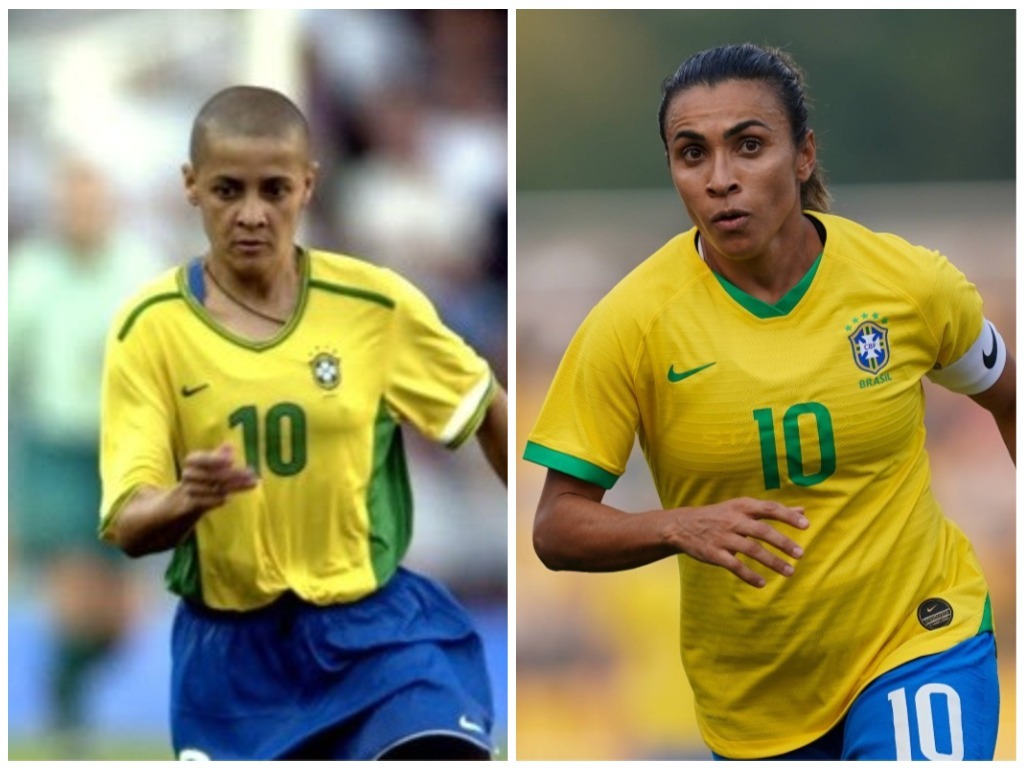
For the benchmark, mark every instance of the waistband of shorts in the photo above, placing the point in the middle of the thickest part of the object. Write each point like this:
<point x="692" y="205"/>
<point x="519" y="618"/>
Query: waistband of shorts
<point x="286" y="602"/>
<point x="290" y="601"/>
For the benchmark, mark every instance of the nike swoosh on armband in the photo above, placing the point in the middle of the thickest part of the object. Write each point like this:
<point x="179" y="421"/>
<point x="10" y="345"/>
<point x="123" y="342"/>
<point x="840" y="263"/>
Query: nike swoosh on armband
<point x="989" y="358"/>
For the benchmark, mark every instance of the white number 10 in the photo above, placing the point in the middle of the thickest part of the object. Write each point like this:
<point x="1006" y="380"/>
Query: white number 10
<point x="925" y="726"/>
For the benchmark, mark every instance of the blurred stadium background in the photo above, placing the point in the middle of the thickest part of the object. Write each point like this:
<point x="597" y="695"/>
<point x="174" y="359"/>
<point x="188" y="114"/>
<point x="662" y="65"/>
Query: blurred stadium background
<point x="409" y="114"/>
<point x="915" y="119"/>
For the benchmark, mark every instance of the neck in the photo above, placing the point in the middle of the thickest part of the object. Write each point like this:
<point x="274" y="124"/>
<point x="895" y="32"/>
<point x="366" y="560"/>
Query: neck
<point x="769" y="275"/>
<point x="270" y="293"/>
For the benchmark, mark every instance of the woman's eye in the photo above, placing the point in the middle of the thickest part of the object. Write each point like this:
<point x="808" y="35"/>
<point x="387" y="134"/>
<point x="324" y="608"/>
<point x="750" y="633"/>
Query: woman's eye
<point x="276" y="190"/>
<point x="751" y="145"/>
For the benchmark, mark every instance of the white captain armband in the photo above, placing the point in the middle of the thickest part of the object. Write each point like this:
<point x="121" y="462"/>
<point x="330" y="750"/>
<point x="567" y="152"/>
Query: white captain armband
<point x="979" y="367"/>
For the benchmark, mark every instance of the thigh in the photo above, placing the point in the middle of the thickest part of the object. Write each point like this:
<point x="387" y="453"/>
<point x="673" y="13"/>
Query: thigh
<point x="437" y="717"/>
<point x="343" y="682"/>
<point x="448" y="706"/>
<point x="232" y="690"/>
<point x="334" y="745"/>
<point x="436" y="748"/>
<point x="939" y="707"/>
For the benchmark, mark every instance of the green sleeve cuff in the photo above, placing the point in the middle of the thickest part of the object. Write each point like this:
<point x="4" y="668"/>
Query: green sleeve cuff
<point x="569" y="465"/>
<point x="477" y="418"/>
<point x="115" y="509"/>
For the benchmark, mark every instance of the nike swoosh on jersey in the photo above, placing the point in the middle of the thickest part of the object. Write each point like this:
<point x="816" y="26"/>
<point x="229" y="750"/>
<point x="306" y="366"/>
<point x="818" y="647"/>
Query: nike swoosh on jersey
<point x="989" y="358"/>
<point x="189" y="391"/>
<point x="674" y="377"/>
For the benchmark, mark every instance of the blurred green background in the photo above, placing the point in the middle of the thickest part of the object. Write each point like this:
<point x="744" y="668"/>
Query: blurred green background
<point x="897" y="95"/>
<point x="914" y="113"/>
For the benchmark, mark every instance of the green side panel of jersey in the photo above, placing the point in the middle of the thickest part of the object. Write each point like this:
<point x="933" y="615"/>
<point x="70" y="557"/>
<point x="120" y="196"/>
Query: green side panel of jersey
<point x="986" y="618"/>
<point x="569" y="465"/>
<point x="389" y="499"/>
<point x="182" y="576"/>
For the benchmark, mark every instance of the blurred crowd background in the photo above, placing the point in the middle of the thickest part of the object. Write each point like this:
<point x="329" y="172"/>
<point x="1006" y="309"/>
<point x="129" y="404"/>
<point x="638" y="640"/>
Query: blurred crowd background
<point x="409" y="117"/>
<point x="914" y="115"/>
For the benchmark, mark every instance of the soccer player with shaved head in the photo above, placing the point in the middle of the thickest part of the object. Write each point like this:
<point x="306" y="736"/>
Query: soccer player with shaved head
<point x="253" y="407"/>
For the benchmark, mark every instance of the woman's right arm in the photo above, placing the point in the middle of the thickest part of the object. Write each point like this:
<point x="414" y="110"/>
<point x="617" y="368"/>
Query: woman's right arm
<point x="155" y="519"/>
<point x="574" y="530"/>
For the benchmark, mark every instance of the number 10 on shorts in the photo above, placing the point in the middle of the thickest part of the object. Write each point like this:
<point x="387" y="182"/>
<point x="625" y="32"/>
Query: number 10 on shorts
<point x="926" y="725"/>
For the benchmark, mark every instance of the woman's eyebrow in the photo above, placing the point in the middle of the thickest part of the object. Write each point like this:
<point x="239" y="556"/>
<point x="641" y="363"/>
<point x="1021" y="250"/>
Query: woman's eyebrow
<point x="728" y="134"/>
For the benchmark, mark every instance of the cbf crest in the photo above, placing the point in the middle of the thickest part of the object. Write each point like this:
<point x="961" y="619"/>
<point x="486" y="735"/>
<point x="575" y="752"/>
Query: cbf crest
<point x="326" y="369"/>
<point x="870" y="344"/>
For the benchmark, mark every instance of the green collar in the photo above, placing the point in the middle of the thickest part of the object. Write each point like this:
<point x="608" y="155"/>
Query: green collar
<point x="763" y="309"/>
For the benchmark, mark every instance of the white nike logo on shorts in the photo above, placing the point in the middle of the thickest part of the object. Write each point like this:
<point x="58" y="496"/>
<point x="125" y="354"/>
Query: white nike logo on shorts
<point x="466" y="724"/>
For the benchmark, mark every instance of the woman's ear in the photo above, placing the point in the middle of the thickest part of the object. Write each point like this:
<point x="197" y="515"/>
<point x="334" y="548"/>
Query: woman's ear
<point x="807" y="158"/>
<point x="188" y="175"/>
<point x="310" y="181"/>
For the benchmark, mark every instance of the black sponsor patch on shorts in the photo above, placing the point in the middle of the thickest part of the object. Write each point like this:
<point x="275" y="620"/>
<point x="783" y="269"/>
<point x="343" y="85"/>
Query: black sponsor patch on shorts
<point x="934" y="613"/>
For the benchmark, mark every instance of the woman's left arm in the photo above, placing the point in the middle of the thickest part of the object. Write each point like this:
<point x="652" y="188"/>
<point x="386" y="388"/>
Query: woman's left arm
<point x="1001" y="400"/>
<point x="493" y="435"/>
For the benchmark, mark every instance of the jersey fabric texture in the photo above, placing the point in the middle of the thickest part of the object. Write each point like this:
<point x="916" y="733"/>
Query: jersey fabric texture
<point x="815" y="402"/>
<point x="316" y="410"/>
<point x="261" y="685"/>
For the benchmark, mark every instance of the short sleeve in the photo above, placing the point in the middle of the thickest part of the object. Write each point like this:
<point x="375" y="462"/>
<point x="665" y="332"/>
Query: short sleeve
<point x="590" y="416"/>
<point x="436" y="381"/>
<point x="953" y="311"/>
<point x="135" y="442"/>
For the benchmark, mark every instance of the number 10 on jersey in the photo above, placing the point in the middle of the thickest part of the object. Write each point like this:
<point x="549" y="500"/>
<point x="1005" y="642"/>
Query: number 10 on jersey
<point x="795" y="466"/>
<point x="281" y="442"/>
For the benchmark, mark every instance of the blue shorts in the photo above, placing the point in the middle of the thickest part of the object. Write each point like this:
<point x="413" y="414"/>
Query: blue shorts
<point x="402" y="663"/>
<point x="939" y="707"/>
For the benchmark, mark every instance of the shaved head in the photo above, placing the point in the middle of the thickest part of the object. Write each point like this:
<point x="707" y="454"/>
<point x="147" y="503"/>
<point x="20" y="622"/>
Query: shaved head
<point x="245" y="110"/>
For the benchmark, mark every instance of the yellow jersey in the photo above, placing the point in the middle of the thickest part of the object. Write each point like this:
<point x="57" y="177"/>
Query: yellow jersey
<point x="316" y="411"/>
<point x="815" y="402"/>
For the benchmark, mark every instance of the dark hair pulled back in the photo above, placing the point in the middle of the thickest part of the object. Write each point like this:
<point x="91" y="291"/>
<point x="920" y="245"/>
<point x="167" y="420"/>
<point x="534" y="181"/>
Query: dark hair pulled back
<point x="747" y="61"/>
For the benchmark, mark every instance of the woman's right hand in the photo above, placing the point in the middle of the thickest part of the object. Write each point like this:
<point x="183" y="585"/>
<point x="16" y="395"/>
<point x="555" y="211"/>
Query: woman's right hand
<point x="717" y="533"/>
<point x="208" y="478"/>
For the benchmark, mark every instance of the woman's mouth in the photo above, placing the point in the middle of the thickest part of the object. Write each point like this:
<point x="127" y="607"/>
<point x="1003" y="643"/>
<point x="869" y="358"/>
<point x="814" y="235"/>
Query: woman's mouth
<point x="249" y="246"/>
<point x="730" y="220"/>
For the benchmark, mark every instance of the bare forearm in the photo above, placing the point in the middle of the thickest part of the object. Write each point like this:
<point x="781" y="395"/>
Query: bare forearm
<point x="579" y="534"/>
<point x="152" y="520"/>
<point x="493" y="435"/>
<point x="575" y="530"/>
<point x="1001" y="401"/>
<point x="155" y="519"/>
<point x="1008" y="429"/>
